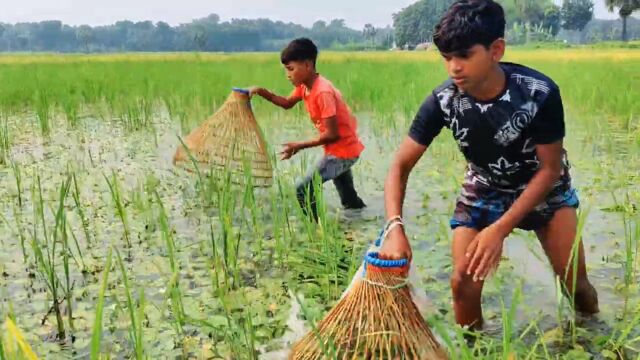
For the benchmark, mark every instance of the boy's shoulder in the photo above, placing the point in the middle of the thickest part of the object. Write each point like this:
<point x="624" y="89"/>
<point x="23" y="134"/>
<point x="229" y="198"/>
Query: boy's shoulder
<point x="528" y="78"/>
<point x="446" y="86"/>
<point x="324" y="85"/>
<point x="532" y="84"/>
<point x="516" y="73"/>
<point x="514" y="68"/>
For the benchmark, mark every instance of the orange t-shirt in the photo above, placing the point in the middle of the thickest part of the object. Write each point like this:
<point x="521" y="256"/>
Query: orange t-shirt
<point x="323" y="101"/>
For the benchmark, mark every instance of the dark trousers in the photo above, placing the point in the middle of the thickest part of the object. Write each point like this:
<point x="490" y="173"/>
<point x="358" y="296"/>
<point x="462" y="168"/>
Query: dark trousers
<point x="329" y="168"/>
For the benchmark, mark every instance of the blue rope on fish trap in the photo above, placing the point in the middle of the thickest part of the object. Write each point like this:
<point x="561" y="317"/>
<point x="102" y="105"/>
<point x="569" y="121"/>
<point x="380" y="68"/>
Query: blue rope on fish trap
<point x="372" y="257"/>
<point x="243" y="91"/>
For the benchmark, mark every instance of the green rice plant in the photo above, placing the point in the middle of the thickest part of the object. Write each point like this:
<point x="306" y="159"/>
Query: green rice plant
<point x="240" y="332"/>
<point x="70" y="105"/>
<point x="620" y="340"/>
<point x="249" y="201"/>
<point x="80" y="264"/>
<point x="45" y="250"/>
<point x="631" y="228"/>
<point x="282" y="232"/>
<point x="96" y="335"/>
<point x="219" y="277"/>
<point x="60" y="235"/>
<point x="135" y="317"/>
<point x="573" y="265"/>
<point x="118" y="202"/>
<point x="135" y="112"/>
<point x="5" y="138"/>
<point x="17" y="175"/>
<point x="80" y="210"/>
<point x="173" y="286"/>
<point x="508" y="319"/>
<point x="43" y="111"/>
<point x="205" y="191"/>
<point x="229" y="239"/>
<point x="323" y="252"/>
<point x="18" y="229"/>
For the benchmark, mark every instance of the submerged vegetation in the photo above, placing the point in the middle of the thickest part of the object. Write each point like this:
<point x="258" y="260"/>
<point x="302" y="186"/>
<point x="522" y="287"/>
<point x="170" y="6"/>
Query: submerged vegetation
<point x="108" y="249"/>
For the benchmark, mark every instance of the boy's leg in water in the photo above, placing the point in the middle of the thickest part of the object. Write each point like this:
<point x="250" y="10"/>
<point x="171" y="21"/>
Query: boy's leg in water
<point x="466" y="292"/>
<point x="328" y="168"/>
<point x="348" y="194"/>
<point x="557" y="239"/>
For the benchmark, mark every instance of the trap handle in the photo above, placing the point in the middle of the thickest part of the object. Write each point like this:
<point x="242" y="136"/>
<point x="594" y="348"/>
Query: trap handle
<point x="373" y="259"/>
<point x="241" y="90"/>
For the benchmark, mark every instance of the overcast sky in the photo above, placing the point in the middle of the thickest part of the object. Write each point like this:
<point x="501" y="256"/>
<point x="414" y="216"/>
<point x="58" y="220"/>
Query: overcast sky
<point x="101" y="12"/>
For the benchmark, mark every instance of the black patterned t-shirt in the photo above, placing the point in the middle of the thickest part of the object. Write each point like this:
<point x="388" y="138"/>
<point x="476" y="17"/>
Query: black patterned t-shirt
<point x="497" y="137"/>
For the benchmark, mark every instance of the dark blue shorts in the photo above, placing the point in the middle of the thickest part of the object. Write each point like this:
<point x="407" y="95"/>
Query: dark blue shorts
<point x="480" y="205"/>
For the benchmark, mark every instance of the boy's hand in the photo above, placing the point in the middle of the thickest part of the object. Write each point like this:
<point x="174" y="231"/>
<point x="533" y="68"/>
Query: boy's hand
<point x="396" y="246"/>
<point x="289" y="150"/>
<point x="253" y="90"/>
<point x="484" y="252"/>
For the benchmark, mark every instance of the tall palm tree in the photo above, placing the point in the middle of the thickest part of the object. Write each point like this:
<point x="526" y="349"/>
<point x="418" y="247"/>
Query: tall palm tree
<point x="625" y="8"/>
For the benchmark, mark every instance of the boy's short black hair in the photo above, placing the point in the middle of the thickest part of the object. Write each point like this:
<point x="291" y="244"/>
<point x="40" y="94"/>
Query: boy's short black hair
<point x="467" y="23"/>
<point x="300" y="49"/>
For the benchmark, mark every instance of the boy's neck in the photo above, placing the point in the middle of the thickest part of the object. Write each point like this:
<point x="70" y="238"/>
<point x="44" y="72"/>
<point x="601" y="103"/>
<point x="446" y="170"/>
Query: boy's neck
<point x="308" y="83"/>
<point x="492" y="86"/>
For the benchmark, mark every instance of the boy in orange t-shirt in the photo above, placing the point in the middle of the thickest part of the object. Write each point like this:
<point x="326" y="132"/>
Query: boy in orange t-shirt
<point x="330" y="115"/>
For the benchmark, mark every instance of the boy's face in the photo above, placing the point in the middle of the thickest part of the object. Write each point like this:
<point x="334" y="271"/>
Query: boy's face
<point x="298" y="71"/>
<point x="470" y="68"/>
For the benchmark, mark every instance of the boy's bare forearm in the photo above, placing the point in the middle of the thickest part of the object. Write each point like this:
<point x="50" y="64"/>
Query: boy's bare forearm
<point x="324" y="139"/>
<point x="395" y="187"/>
<point x="281" y="101"/>
<point x="550" y="156"/>
<point x="535" y="193"/>
<point x="396" y="183"/>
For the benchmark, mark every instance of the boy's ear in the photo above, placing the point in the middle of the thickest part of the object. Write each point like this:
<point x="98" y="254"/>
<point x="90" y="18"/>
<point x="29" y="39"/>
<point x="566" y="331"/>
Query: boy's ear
<point x="497" y="49"/>
<point x="308" y="64"/>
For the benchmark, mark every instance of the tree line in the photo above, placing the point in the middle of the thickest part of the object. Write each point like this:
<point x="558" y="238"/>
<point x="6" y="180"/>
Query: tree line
<point x="205" y="34"/>
<point x="527" y="21"/>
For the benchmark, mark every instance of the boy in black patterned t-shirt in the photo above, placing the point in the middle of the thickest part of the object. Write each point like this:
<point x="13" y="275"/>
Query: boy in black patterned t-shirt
<point x="507" y="120"/>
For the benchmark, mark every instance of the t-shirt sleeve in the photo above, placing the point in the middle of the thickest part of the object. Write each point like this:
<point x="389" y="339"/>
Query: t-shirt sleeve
<point x="326" y="102"/>
<point x="548" y="126"/>
<point x="296" y="93"/>
<point x="428" y="122"/>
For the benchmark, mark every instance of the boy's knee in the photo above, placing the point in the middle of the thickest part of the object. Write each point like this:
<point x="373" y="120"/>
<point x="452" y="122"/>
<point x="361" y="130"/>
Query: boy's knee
<point x="463" y="287"/>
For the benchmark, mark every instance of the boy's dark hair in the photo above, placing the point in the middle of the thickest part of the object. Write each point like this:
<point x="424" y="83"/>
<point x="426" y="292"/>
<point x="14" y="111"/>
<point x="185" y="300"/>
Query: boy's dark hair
<point x="467" y="23"/>
<point x="300" y="49"/>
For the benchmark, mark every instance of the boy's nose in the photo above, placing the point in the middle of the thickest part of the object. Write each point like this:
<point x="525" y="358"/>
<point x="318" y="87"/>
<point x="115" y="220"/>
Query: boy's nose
<point x="455" y="67"/>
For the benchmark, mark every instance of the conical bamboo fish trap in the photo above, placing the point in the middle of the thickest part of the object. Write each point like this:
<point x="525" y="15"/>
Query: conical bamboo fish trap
<point x="230" y="141"/>
<point x="375" y="319"/>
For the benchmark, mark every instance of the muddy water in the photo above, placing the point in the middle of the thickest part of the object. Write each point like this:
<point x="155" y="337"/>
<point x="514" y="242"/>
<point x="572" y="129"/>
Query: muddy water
<point x="141" y="161"/>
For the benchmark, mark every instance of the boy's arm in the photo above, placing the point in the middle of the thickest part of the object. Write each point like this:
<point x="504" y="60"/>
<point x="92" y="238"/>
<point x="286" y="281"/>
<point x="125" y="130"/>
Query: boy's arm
<point x="283" y="102"/>
<point x="425" y="127"/>
<point x="397" y="246"/>
<point x="326" y="137"/>
<point x="326" y="103"/>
